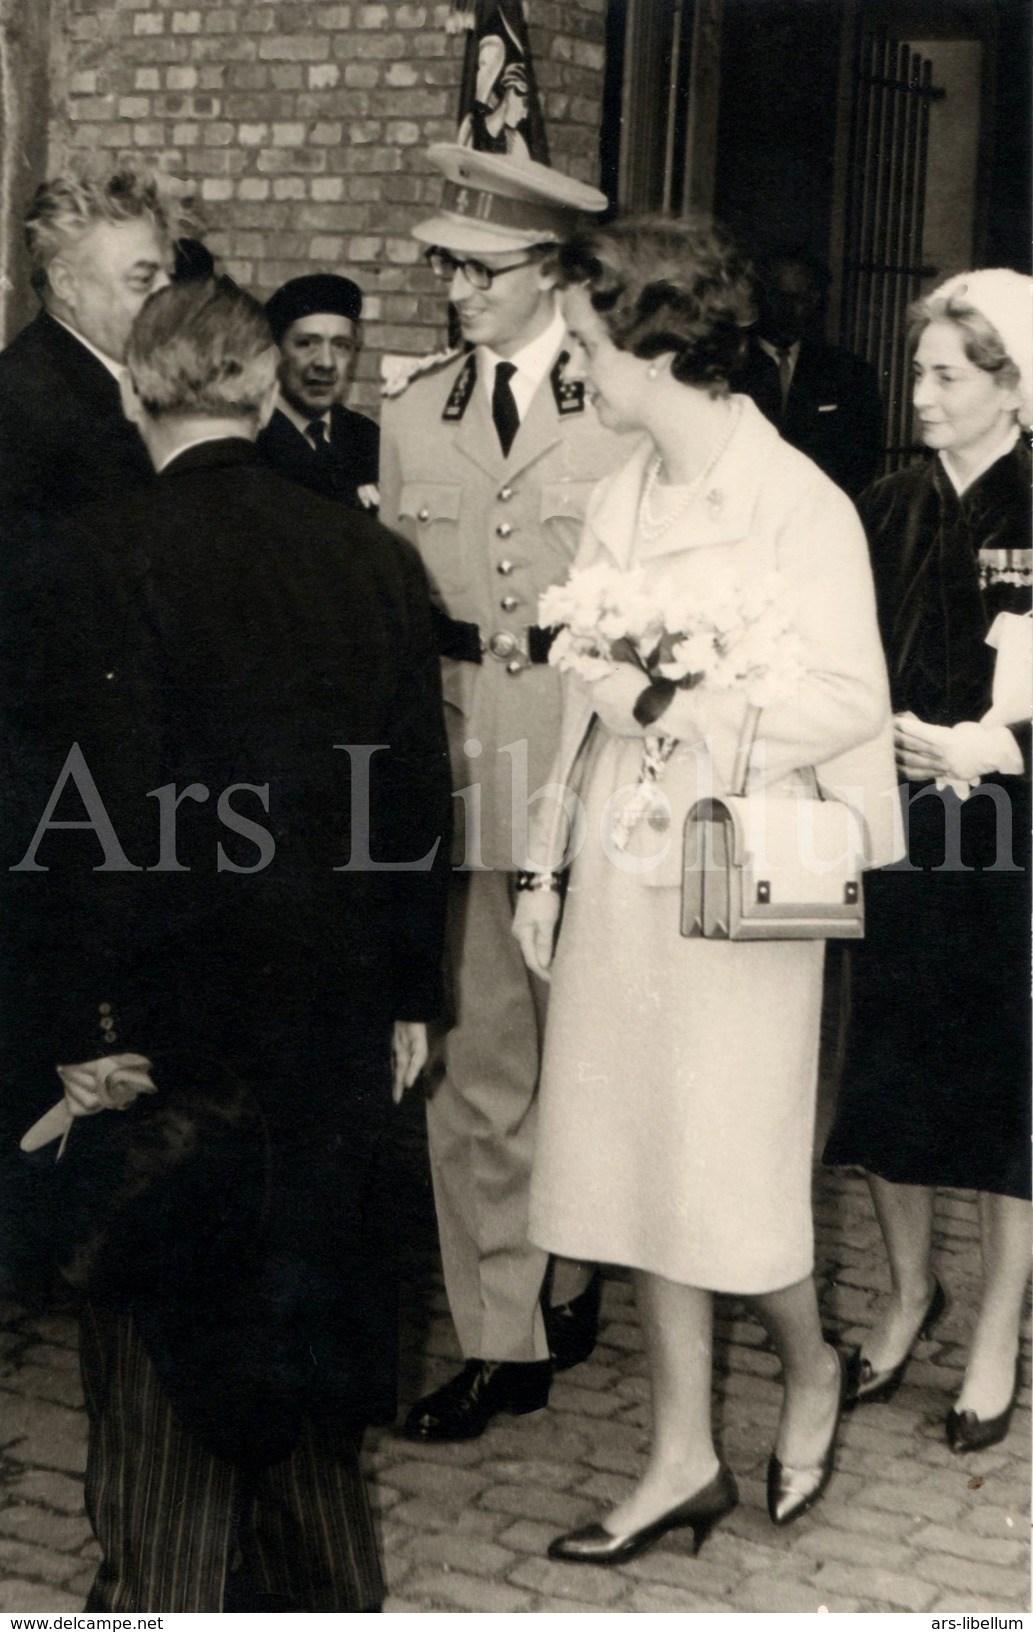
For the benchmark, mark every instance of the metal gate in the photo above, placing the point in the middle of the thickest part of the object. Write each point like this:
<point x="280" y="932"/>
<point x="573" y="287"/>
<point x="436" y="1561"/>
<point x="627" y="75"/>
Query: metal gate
<point x="883" y="263"/>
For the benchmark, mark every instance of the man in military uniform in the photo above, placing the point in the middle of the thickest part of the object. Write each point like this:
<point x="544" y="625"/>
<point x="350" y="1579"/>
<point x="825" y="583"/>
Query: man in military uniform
<point x="487" y="461"/>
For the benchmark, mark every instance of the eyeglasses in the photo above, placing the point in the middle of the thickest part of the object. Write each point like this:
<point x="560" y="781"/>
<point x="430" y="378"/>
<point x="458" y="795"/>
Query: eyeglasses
<point x="478" y="276"/>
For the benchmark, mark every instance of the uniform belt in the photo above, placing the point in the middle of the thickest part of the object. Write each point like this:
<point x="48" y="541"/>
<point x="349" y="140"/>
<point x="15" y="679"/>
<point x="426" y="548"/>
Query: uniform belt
<point x="466" y="643"/>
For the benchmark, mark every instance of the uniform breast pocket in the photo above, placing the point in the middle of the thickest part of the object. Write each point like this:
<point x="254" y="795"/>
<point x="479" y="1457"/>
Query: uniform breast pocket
<point x="561" y="518"/>
<point x="430" y="513"/>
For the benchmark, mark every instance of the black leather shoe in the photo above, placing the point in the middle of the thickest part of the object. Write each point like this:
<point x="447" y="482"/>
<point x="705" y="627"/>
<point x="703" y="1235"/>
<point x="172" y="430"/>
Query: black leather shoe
<point x="593" y="1544"/>
<point x="463" y="1408"/>
<point x="865" y="1385"/>
<point x="794" y="1491"/>
<point x="573" y="1327"/>
<point x="967" y="1432"/>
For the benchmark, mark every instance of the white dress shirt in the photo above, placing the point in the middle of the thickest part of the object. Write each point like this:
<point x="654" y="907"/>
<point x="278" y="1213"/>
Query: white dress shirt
<point x="531" y="363"/>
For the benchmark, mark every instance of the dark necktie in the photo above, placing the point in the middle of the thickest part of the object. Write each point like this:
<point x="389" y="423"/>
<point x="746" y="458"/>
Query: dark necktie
<point x="785" y="371"/>
<point x="316" y="432"/>
<point x="503" y="405"/>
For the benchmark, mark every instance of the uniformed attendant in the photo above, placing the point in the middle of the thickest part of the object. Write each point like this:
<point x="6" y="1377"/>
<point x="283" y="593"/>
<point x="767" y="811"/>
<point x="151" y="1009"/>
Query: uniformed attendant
<point x="487" y="462"/>
<point x="312" y="438"/>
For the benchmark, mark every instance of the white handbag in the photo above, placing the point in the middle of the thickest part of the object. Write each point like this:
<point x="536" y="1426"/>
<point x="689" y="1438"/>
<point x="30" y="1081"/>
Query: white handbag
<point x="772" y="867"/>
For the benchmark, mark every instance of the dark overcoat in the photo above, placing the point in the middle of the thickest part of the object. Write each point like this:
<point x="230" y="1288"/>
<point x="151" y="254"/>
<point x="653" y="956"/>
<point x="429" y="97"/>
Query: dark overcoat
<point x="935" y="1089"/>
<point x="833" y="412"/>
<point x="65" y="440"/>
<point x="350" y="460"/>
<point x="218" y="646"/>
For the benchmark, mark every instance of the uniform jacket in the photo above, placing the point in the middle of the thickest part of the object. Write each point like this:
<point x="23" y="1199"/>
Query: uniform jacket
<point x="493" y="532"/>
<point x="351" y="463"/>
<point x="765" y="508"/>
<point x="833" y="412"/>
<point x="249" y="649"/>
<point x="65" y="439"/>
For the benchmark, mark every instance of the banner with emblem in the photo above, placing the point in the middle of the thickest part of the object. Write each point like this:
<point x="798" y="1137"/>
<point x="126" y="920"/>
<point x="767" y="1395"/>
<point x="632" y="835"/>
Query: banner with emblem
<point x="499" y="110"/>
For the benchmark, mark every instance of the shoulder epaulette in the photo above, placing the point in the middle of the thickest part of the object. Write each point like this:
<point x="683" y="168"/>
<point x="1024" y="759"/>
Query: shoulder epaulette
<point x="397" y="372"/>
<point x="569" y="394"/>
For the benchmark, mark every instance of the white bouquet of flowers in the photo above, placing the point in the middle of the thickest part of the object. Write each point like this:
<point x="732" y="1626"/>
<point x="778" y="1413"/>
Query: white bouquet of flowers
<point x="744" y="639"/>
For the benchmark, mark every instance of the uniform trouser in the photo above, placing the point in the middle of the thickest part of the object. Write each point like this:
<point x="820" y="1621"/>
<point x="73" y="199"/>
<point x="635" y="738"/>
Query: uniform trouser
<point x="180" y="1529"/>
<point x="481" y="1123"/>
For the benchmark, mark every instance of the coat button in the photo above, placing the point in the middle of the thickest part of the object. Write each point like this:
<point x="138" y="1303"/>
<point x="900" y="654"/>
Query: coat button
<point x="423" y="515"/>
<point x="505" y="567"/>
<point x="103" y="1008"/>
<point x="503" y="529"/>
<point x="505" y="494"/>
<point x="509" y="603"/>
<point x="515" y="666"/>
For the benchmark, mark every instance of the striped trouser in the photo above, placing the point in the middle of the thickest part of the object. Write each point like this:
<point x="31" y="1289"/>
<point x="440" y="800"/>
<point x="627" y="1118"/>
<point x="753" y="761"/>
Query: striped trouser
<point x="173" y="1520"/>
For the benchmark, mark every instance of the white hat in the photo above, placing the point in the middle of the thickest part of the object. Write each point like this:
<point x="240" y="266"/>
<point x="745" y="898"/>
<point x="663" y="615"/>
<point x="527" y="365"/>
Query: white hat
<point x="1005" y="299"/>
<point x="493" y="202"/>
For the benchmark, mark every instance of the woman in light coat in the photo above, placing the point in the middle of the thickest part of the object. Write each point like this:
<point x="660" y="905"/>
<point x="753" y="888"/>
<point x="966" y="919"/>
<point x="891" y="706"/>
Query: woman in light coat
<point x="678" y="1089"/>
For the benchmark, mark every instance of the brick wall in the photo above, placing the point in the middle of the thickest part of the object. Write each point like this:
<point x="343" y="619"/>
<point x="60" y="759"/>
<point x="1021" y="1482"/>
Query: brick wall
<point x="301" y="126"/>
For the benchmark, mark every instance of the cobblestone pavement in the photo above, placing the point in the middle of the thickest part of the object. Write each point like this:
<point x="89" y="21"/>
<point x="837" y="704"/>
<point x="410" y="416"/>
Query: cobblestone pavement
<point x="905" y="1525"/>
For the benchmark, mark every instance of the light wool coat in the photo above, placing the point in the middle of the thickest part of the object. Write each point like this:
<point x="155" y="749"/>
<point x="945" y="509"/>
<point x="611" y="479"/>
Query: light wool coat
<point x="692" y="1062"/>
<point x="765" y="507"/>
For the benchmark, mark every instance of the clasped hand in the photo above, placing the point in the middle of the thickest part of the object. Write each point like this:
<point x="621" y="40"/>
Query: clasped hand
<point x="614" y="698"/>
<point x="957" y="753"/>
<point x="110" y="1083"/>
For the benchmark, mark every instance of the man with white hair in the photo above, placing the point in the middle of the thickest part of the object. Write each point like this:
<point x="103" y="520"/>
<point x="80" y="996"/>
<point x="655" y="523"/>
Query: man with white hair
<point x="277" y="910"/>
<point x="98" y="249"/>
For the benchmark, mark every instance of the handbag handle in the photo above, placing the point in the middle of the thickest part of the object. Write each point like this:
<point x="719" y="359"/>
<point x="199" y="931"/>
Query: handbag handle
<point x="744" y="748"/>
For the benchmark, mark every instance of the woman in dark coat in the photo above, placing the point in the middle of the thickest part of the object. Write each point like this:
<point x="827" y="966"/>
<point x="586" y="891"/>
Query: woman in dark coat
<point x="936" y="1087"/>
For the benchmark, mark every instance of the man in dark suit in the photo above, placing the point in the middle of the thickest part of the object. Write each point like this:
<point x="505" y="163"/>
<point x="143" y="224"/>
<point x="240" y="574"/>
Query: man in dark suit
<point x="823" y="399"/>
<point x="274" y="834"/>
<point x="98" y="249"/>
<point x="312" y="437"/>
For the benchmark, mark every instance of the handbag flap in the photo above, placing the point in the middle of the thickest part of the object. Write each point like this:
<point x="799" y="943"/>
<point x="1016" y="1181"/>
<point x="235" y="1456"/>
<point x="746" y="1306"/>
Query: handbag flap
<point x="796" y="850"/>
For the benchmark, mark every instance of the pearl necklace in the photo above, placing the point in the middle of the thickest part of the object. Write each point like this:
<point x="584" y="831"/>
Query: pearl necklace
<point x="650" y="525"/>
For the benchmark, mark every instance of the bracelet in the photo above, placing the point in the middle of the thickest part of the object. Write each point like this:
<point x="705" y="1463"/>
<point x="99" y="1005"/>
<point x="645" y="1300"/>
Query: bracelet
<point x="539" y="881"/>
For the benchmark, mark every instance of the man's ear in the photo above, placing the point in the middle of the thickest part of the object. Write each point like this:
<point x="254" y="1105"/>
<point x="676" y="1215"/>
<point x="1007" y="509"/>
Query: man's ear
<point x="132" y="407"/>
<point x="546" y="279"/>
<point x="62" y="281"/>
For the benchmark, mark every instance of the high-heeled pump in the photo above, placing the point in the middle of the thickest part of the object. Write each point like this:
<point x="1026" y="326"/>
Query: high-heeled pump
<point x="594" y="1544"/>
<point x="794" y="1491"/>
<point x="865" y="1385"/>
<point x="968" y="1432"/>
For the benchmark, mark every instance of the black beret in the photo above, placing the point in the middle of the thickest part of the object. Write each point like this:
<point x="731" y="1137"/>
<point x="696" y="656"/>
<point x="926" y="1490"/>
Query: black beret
<point x="320" y="292"/>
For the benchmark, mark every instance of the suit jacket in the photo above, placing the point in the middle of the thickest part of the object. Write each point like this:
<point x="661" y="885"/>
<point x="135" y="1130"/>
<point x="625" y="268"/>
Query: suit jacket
<point x="351" y="463"/>
<point x="493" y="531"/>
<point x="65" y="440"/>
<point x="765" y="509"/>
<point x="253" y="651"/>
<point x="833" y="412"/>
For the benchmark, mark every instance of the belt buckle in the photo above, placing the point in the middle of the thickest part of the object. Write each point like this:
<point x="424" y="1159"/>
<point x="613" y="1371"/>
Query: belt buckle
<point x="506" y="644"/>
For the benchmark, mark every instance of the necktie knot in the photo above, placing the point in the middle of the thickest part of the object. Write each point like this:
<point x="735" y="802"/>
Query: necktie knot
<point x="316" y="432"/>
<point x="504" y="410"/>
<point x="785" y="370"/>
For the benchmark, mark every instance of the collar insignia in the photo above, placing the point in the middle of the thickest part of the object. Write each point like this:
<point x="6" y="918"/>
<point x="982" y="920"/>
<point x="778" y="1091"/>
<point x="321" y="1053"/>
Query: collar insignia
<point x="462" y="390"/>
<point x="569" y="394"/>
